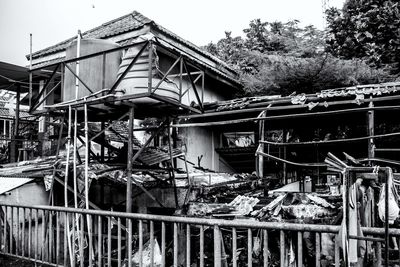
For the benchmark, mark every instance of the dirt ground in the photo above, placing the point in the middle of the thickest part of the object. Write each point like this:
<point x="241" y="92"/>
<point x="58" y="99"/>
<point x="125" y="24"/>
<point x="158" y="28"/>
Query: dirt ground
<point x="10" y="261"/>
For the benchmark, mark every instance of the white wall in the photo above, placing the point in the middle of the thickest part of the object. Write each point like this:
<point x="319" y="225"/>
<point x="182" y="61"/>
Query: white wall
<point x="199" y="142"/>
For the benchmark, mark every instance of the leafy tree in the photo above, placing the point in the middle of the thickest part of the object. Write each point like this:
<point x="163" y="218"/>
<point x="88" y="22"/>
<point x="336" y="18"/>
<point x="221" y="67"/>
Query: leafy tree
<point x="280" y="58"/>
<point x="284" y="75"/>
<point x="228" y="49"/>
<point x="283" y="38"/>
<point x="366" y="29"/>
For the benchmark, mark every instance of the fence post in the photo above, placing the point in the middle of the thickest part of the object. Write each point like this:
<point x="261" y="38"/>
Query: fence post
<point x="217" y="247"/>
<point x="282" y="248"/>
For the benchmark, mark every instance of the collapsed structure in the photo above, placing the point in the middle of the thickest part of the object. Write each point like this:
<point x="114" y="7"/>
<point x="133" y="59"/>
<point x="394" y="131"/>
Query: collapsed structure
<point x="133" y="118"/>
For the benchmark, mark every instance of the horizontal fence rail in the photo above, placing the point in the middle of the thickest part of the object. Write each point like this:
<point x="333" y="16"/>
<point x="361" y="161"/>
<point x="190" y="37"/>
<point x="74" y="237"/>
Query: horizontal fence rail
<point x="59" y="236"/>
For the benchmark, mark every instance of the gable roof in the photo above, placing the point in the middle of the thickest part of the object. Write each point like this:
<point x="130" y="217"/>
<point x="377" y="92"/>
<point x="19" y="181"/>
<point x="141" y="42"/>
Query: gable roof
<point x="129" y="22"/>
<point x="135" y="21"/>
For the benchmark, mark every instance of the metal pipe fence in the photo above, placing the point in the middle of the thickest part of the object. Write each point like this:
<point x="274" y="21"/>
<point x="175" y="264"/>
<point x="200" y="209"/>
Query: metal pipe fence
<point x="59" y="236"/>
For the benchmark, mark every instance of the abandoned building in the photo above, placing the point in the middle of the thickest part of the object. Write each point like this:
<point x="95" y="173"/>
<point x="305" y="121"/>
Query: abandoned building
<point x="142" y="156"/>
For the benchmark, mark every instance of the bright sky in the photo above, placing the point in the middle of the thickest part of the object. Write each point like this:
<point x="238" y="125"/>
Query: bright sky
<point x="52" y="21"/>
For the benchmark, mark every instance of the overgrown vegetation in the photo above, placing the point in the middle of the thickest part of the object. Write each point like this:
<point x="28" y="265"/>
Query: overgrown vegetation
<point x="282" y="58"/>
<point x="368" y="30"/>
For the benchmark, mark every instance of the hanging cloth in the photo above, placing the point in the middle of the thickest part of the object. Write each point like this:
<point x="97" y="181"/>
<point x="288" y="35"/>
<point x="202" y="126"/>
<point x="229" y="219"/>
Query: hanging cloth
<point x="393" y="207"/>
<point x="356" y="248"/>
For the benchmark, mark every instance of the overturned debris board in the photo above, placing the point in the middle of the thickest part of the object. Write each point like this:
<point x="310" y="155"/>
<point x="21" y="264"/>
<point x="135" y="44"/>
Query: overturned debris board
<point x="152" y="156"/>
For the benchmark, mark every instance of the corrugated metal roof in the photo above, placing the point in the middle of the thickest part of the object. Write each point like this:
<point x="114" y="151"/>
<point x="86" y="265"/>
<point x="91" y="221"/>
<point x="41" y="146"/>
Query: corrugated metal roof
<point x="369" y="89"/>
<point x="358" y="93"/>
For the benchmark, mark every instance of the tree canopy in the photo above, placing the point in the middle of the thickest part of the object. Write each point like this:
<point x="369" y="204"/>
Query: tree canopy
<point x="283" y="57"/>
<point x="368" y="30"/>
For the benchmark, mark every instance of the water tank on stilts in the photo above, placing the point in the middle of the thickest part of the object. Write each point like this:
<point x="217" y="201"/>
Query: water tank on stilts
<point x="136" y="80"/>
<point x="91" y="69"/>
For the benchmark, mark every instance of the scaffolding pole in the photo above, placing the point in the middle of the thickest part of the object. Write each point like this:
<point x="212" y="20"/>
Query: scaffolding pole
<point x="72" y="258"/>
<point x="75" y="150"/>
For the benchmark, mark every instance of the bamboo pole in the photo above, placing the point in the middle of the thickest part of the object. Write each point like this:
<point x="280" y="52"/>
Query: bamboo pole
<point x="76" y="141"/>
<point x="51" y="195"/>
<point x="291" y="162"/>
<point x="67" y="160"/>
<point x="30" y="70"/>
<point x="260" y="161"/>
<point x="66" y="187"/>
<point x="87" y="147"/>
<point x="76" y="122"/>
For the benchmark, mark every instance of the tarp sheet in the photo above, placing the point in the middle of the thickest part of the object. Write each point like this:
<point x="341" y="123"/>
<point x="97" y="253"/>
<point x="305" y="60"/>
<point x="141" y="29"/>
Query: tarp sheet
<point x="8" y="184"/>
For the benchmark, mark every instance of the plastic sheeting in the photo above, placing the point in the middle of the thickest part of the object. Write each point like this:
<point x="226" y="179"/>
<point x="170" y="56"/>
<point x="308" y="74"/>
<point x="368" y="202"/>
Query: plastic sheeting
<point x="8" y="184"/>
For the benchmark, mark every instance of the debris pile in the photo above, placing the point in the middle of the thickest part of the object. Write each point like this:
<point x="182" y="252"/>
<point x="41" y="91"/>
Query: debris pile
<point x="297" y="207"/>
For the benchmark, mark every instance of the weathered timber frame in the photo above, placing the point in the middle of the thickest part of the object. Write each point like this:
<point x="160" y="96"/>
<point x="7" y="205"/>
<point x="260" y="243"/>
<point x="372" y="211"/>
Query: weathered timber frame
<point x="187" y="68"/>
<point x="182" y="68"/>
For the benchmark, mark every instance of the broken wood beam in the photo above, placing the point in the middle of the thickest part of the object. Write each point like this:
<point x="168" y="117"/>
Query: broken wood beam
<point x="291" y="162"/>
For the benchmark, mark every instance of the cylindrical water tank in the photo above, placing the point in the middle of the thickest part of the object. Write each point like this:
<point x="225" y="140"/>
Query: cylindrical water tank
<point x="136" y="80"/>
<point x="91" y="69"/>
